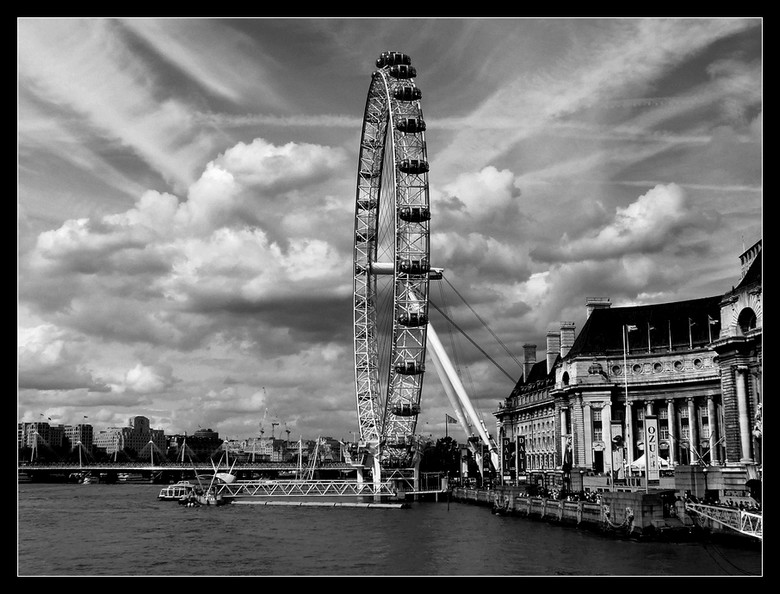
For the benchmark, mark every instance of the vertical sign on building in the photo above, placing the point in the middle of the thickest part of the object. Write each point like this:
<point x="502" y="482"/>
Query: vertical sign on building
<point x="520" y="459"/>
<point x="652" y="463"/>
<point x="508" y="451"/>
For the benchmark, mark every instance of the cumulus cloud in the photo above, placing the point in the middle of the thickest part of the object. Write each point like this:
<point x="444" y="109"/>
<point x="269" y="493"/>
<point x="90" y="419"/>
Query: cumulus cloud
<point x="147" y="379"/>
<point x="646" y="225"/>
<point x="49" y="359"/>
<point x="194" y="273"/>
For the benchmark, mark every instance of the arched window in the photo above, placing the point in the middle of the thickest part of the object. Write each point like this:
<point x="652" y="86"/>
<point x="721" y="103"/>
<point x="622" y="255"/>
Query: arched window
<point x="746" y="321"/>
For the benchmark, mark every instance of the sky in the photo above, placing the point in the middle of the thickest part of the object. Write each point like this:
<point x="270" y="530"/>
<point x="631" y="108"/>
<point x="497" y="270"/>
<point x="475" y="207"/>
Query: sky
<point x="186" y="191"/>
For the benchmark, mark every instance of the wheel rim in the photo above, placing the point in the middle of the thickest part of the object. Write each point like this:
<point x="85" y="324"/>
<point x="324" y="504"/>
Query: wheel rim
<point x="391" y="260"/>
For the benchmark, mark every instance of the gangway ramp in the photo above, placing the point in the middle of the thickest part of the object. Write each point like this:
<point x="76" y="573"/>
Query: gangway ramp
<point x="305" y="488"/>
<point x="742" y="521"/>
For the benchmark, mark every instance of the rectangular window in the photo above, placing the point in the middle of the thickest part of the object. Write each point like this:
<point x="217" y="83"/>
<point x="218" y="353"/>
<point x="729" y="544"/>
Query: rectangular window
<point x="663" y="413"/>
<point x="684" y="412"/>
<point x="640" y="414"/>
<point x="597" y="434"/>
<point x="663" y="432"/>
<point x="597" y="415"/>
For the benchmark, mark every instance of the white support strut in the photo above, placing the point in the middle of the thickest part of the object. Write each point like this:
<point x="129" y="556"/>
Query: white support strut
<point x="452" y="377"/>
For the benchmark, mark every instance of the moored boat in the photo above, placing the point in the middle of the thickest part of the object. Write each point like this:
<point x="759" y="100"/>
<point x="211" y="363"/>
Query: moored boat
<point x="176" y="491"/>
<point x="210" y="497"/>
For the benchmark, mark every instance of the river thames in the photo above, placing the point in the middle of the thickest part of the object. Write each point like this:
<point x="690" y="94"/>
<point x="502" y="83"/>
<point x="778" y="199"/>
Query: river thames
<point x="124" y="530"/>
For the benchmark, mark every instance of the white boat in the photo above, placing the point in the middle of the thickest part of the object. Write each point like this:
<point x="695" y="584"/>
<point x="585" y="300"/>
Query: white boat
<point x="176" y="491"/>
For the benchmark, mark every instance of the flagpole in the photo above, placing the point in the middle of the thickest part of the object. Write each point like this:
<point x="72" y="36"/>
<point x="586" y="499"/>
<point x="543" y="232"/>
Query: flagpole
<point x="446" y="426"/>
<point x="625" y="380"/>
<point x="670" y="335"/>
<point x="648" y="337"/>
<point x="690" y="335"/>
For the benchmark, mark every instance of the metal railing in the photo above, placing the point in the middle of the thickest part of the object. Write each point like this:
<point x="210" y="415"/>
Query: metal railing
<point x="742" y="521"/>
<point x="305" y="488"/>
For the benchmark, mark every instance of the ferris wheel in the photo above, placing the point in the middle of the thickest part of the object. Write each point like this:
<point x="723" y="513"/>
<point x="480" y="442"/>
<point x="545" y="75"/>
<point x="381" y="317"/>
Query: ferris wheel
<point x="391" y="260"/>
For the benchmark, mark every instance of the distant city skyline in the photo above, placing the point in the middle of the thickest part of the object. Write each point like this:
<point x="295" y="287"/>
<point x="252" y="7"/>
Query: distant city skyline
<point x="186" y="193"/>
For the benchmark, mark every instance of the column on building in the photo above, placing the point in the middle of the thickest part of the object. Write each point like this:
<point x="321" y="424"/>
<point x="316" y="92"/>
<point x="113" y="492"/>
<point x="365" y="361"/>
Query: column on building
<point x="744" y="412"/>
<point x="564" y="424"/>
<point x="712" y="419"/>
<point x="606" y="431"/>
<point x="587" y="426"/>
<point x="578" y="432"/>
<point x="693" y="430"/>
<point x="672" y="426"/>
<point x="629" y="432"/>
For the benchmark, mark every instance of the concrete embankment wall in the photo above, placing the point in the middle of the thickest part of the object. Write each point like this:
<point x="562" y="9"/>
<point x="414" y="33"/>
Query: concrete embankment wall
<point x="636" y="514"/>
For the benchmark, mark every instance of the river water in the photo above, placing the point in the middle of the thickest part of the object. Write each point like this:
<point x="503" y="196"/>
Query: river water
<point x="123" y="530"/>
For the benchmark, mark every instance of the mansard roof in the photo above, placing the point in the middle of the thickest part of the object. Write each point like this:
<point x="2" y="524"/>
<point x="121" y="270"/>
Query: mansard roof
<point x="753" y="274"/>
<point x="537" y="378"/>
<point x="677" y="324"/>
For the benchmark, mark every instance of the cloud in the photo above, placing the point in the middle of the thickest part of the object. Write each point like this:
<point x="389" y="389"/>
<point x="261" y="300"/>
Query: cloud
<point x="646" y="225"/>
<point x="200" y="50"/>
<point x="49" y="359"/>
<point x="147" y="379"/>
<point x="204" y="275"/>
<point x="88" y="68"/>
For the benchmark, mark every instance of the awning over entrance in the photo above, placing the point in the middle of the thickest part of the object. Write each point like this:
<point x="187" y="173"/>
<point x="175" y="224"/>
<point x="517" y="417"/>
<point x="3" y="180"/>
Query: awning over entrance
<point x="639" y="463"/>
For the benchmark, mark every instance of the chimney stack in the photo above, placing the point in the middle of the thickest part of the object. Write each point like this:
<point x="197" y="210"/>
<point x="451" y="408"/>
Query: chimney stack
<point x="553" y="348"/>
<point x="529" y="358"/>
<point x="597" y="303"/>
<point x="567" y="337"/>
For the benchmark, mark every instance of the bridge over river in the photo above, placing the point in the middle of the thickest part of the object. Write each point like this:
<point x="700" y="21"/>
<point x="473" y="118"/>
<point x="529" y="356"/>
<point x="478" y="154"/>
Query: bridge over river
<point x="167" y="471"/>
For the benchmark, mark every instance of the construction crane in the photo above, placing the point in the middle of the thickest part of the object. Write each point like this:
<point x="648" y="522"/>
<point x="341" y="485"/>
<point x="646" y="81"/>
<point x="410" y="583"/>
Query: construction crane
<point x="287" y="430"/>
<point x="262" y="422"/>
<point x="273" y="425"/>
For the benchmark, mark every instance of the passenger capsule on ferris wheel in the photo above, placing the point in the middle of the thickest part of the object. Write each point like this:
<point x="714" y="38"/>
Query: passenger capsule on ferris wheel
<point x="414" y="214"/>
<point x="403" y="71"/>
<point x="414" y="266"/>
<point x="410" y="125"/>
<point x="410" y="368"/>
<point x="412" y="319"/>
<point x="406" y="409"/>
<point x="407" y="93"/>
<point x="392" y="59"/>
<point x="415" y="166"/>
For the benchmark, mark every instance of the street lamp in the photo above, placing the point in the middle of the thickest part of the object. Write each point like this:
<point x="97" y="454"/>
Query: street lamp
<point x="704" y="470"/>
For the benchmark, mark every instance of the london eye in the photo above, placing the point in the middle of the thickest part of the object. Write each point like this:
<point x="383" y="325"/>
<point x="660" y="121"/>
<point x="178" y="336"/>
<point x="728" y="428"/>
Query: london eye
<point x="391" y="261"/>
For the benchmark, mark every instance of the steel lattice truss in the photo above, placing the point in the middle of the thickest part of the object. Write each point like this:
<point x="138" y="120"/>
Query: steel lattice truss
<point x="391" y="259"/>
<point x="745" y="522"/>
<point x="309" y="488"/>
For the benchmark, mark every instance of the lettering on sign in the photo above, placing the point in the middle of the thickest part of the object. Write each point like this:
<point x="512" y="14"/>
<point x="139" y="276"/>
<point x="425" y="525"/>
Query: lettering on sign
<point x="651" y="448"/>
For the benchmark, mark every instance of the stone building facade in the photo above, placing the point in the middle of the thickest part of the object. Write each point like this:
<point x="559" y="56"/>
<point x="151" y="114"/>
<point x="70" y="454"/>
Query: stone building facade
<point x="694" y="366"/>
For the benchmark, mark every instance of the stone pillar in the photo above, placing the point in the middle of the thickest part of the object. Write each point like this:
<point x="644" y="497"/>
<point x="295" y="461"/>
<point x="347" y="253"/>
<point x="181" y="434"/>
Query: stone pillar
<point x="712" y="419"/>
<point x="693" y="427"/>
<point x="606" y="431"/>
<point x="587" y="422"/>
<point x="563" y="431"/>
<point x="629" y="432"/>
<point x="744" y="412"/>
<point x="672" y="432"/>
